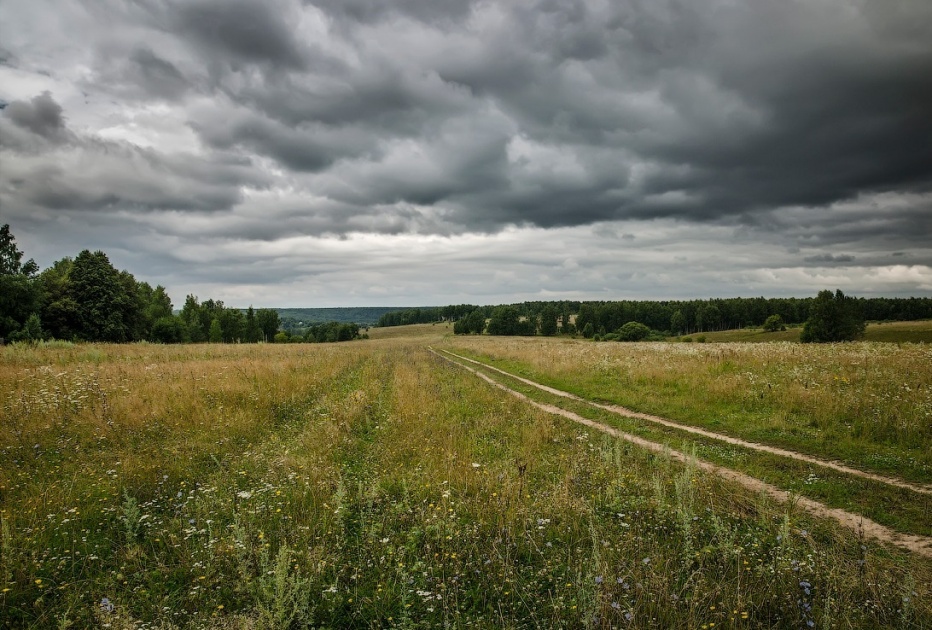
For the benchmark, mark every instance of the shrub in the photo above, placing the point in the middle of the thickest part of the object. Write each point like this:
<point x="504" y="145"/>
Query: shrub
<point x="833" y="317"/>
<point x="774" y="323"/>
<point x="633" y="331"/>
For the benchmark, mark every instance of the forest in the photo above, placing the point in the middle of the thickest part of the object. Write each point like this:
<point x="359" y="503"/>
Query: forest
<point x="86" y="298"/>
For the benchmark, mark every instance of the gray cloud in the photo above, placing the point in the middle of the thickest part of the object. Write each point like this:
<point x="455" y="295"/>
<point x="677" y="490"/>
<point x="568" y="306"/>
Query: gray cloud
<point x="801" y="125"/>
<point x="239" y="30"/>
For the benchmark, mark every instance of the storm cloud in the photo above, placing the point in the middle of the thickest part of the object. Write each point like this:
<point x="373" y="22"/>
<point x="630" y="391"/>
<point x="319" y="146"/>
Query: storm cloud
<point x="791" y="139"/>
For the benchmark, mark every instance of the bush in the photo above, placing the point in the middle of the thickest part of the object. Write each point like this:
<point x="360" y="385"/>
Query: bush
<point x="833" y="318"/>
<point x="774" y="323"/>
<point x="633" y="331"/>
<point x="701" y="338"/>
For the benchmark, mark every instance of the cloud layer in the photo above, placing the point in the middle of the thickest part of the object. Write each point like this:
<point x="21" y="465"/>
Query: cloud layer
<point x="204" y="139"/>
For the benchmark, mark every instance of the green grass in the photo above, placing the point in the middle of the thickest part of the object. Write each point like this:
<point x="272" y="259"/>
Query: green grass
<point x="373" y="485"/>
<point x="898" y="508"/>
<point x="891" y="332"/>
<point x="866" y="404"/>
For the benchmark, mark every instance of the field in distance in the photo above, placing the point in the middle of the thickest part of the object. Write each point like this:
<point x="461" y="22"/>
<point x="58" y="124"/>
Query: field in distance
<point x="374" y="484"/>
<point x="897" y="332"/>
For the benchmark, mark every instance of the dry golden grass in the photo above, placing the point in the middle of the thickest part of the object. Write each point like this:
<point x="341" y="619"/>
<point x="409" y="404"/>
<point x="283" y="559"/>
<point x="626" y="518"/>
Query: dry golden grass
<point x="370" y="484"/>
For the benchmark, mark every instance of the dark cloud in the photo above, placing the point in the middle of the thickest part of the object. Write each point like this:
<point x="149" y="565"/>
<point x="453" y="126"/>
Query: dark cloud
<point x="161" y="78"/>
<point x="829" y="258"/>
<point x="241" y="30"/>
<point x="42" y="116"/>
<point x="802" y="125"/>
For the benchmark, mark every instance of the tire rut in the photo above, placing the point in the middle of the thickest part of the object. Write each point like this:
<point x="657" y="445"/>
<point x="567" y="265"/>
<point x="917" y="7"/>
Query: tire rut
<point x="756" y="446"/>
<point x="921" y="545"/>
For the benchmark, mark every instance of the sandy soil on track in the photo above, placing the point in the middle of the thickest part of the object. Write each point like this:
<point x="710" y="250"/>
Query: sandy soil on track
<point x="917" y="544"/>
<point x="623" y="411"/>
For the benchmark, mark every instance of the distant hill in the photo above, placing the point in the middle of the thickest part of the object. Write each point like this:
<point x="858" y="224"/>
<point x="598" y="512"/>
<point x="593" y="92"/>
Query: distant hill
<point x="362" y="315"/>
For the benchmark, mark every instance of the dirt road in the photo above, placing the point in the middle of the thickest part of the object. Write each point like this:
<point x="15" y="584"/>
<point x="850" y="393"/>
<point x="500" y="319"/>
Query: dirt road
<point x="917" y="544"/>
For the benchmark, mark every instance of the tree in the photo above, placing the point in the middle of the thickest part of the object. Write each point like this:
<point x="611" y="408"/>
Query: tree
<point x="268" y="323"/>
<point x="11" y="257"/>
<point x="251" y="333"/>
<point x="101" y="296"/>
<point x="169" y="329"/>
<point x="548" y="321"/>
<point x="19" y="292"/>
<point x="833" y="317"/>
<point x="633" y="331"/>
<point x="504" y="321"/>
<point x="585" y="318"/>
<point x="31" y="331"/>
<point x="774" y="323"/>
<point x="60" y="314"/>
<point x="475" y="322"/>
<point x="678" y="323"/>
<point x="216" y="332"/>
<point x="233" y="324"/>
<point x="190" y="316"/>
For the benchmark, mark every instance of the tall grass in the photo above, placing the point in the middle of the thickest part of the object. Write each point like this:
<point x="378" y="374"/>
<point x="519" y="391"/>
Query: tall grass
<point x="373" y="485"/>
<point x="868" y="404"/>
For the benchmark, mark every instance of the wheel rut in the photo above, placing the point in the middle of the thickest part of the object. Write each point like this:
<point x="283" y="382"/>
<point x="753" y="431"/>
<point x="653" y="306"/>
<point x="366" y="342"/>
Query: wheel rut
<point x="756" y="446"/>
<point x="921" y="545"/>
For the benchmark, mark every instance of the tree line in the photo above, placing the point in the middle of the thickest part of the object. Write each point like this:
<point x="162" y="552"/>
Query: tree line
<point x="86" y="298"/>
<point x="671" y="317"/>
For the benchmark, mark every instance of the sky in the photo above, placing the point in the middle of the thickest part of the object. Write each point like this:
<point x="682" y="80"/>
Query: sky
<point x="323" y="153"/>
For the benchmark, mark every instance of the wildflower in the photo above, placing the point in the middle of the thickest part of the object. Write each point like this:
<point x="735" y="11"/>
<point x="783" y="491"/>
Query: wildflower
<point x="616" y="605"/>
<point x="106" y="605"/>
<point x="598" y="579"/>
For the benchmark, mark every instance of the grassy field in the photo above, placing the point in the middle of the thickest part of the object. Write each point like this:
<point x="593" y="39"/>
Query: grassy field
<point x="867" y="404"/>
<point x="372" y="484"/>
<point x="893" y="332"/>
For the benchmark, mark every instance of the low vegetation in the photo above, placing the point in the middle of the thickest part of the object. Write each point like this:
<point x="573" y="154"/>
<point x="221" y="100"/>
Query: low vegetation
<point x="375" y="485"/>
<point x="867" y="404"/>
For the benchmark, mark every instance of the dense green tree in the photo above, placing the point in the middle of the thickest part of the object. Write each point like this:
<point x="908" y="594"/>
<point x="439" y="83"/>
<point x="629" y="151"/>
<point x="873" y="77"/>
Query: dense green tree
<point x="233" y="325"/>
<point x="31" y="330"/>
<point x="774" y="323"/>
<point x="170" y="329"/>
<point x="61" y="316"/>
<point x="475" y="322"/>
<point x="833" y="317"/>
<point x="100" y="293"/>
<point x="11" y="258"/>
<point x="215" y="334"/>
<point x="268" y="323"/>
<point x="678" y="323"/>
<point x="20" y="294"/>
<point x="633" y="331"/>
<point x="190" y="315"/>
<point x="251" y="332"/>
<point x="504" y="321"/>
<point x="548" y="321"/>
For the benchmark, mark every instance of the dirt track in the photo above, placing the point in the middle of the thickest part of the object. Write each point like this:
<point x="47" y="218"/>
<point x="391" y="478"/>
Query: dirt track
<point x="917" y="544"/>
<point x="623" y="411"/>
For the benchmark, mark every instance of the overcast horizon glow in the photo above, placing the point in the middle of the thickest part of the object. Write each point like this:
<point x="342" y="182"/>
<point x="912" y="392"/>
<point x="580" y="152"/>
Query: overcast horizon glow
<point x="328" y="153"/>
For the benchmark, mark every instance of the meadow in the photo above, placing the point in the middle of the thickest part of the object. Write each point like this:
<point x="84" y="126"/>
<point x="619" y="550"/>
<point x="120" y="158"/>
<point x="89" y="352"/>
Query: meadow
<point x="374" y="484"/>
<point x="919" y="331"/>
